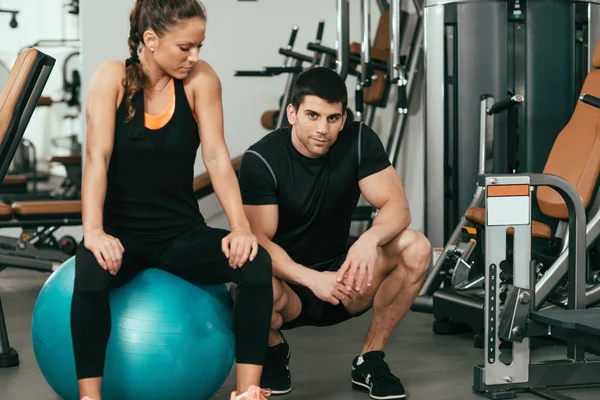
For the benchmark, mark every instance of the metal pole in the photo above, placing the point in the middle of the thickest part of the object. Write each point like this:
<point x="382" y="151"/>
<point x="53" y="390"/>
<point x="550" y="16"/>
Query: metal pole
<point x="383" y="5"/>
<point x="289" y="81"/>
<point x="394" y="64"/>
<point x="365" y="55"/>
<point x="343" y="38"/>
<point x="364" y="79"/>
<point x="405" y="92"/>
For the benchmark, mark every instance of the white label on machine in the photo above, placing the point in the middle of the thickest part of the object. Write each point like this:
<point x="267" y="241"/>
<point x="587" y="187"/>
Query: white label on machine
<point x="511" y="210"/>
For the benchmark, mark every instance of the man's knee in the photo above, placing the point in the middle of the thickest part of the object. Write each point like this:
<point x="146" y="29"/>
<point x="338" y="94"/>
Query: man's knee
<point x="412" y="249"/>
<point x="286" y="304"/>
<point x="417" y="253"/>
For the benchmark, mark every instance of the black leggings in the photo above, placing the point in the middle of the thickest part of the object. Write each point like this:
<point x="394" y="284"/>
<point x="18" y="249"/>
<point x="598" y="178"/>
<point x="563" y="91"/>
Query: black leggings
<point x="195" y="256"/>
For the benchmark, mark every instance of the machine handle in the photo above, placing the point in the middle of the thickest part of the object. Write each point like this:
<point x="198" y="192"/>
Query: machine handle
<point x="321" y="49"/>
<point x="402" y="101"/>
<point x="591" y="100"/>
<point x="320" y="30"/>
<point x="283" y="70"/>
<point x="294" y="55"/>
<point x="293" y="37"/>
<point x="359" y="101"/>
<point x="505" y="104"/>
<point x="252" y="73"/>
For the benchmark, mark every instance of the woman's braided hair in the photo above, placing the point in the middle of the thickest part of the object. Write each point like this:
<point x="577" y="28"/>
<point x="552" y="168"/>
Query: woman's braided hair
<point x="158" y="15"/>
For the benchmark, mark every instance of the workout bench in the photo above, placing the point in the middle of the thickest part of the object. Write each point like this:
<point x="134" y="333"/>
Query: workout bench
<point x="18" y="100"/>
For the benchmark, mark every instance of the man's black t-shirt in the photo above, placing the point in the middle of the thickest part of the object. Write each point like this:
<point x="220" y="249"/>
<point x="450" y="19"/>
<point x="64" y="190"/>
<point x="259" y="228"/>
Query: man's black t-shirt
<point x="315" y="196"/>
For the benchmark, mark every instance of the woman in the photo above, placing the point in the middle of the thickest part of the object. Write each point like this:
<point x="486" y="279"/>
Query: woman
<point x="146" y="118"/>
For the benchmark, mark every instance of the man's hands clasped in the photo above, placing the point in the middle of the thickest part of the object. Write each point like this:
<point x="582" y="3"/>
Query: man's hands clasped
<point x="353" y="277"/>
<point x="358" y="269"/>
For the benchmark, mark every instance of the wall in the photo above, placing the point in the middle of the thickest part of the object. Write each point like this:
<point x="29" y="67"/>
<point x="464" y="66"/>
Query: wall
<point x="98" y="43"/>
<point x="43" y="20"/>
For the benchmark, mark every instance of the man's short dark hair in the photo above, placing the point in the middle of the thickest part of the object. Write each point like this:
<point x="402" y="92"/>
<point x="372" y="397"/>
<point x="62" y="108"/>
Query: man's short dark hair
<point x="321" y="82"/>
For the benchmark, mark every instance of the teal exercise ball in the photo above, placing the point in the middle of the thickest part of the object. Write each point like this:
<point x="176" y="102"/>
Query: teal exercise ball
<point x="170" y="339"/>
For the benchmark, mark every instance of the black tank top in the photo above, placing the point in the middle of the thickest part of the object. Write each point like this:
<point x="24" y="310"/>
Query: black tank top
<point x="150" y="177"/>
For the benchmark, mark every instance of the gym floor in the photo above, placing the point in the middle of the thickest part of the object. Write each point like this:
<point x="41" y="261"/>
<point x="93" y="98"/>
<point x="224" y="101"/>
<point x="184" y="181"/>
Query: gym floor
<point x="430" y="366"/>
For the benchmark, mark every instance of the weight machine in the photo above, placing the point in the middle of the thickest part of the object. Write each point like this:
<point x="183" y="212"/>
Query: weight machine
<point x="454" y="290"/>
<point x="293" y="66"/>
<point x="513" y="319"/>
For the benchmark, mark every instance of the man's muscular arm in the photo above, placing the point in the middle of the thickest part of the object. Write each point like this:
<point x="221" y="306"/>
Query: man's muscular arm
<point x="263" y="221"/>
<point x="384" y="191"/>
<point x="381" y="186"/>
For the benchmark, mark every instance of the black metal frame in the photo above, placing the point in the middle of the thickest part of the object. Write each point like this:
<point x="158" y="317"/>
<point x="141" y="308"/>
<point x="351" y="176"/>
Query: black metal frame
<point x="24" y="108"/>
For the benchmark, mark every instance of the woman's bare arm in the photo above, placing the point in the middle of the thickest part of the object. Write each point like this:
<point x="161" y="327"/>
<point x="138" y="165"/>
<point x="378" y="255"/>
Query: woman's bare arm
<point x="208" y="106"/>
<point x="101" y="110"/>
<point x="100" y="117"/>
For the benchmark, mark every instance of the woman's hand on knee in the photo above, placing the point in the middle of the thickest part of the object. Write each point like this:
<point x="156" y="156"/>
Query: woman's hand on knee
<point x="240" y="246"/>
<point x="107" y="249"/>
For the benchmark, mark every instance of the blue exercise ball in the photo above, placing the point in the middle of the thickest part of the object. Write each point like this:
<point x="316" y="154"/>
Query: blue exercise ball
<point x="170" y="339"/>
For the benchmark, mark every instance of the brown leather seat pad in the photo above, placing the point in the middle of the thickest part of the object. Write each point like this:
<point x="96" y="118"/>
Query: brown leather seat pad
<point x="44" y="101"/>
<point x="575" y="155"/>
<point x="203" y="180"/>
<point x="13" y="87"/>
<point x="596" y="56"/>
<point x="267" y="119"/>
<point x="5" y="210"/>
<point x="15" y="180"/>
<point x="29" y="208"/>
<point x="538" y="229"/>
<point x="67" y="160"/>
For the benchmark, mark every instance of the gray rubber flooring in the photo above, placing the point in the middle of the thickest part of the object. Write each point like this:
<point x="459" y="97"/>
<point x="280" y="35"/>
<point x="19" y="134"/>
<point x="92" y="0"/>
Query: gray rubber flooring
<point x="430" y="366"/>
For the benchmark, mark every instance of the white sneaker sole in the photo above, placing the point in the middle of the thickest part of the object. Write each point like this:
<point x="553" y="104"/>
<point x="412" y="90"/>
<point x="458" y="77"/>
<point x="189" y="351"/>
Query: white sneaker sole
<point x="280" y="392"/>
<point x="366" y="388"/>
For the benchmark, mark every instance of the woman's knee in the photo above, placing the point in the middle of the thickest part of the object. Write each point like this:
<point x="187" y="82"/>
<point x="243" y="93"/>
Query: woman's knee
<point x="259" y="270"/>
<point x="89" y="275"/>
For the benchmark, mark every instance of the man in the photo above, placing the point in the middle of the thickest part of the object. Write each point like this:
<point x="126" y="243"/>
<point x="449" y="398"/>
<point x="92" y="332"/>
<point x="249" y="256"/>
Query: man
<point x="300" y="186"/>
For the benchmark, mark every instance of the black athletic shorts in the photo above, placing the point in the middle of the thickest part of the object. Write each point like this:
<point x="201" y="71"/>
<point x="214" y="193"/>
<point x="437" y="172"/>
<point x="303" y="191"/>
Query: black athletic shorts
<point x="316" y="312"/>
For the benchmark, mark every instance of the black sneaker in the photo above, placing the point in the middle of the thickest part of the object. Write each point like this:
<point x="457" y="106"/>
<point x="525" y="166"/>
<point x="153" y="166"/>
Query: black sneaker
<point x="276" y="371"/>
<point x="374" y="376"/>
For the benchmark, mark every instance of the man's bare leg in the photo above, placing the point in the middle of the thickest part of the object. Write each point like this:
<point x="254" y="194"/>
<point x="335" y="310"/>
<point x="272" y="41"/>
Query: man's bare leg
<point x="400" y="273"/>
